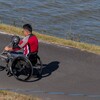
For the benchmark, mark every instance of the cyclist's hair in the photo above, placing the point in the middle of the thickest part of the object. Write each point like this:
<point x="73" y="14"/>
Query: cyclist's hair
<point x="28" y="27"/>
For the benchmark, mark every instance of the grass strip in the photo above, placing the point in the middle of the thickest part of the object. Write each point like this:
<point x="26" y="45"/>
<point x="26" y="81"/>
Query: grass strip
<point x="7" y="95"/>
<point x="82" y="46"/>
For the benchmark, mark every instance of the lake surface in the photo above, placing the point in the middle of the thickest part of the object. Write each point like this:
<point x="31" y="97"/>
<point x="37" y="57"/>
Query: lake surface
<point x="56" y="17"/>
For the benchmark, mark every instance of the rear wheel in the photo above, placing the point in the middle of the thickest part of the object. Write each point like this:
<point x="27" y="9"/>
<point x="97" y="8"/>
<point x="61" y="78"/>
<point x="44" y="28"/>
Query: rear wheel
<point x="22" y="68"/>
<point x="38" y="66"/>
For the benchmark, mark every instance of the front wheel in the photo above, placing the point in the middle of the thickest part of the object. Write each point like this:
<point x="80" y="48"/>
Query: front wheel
<point x="22" y="68"/>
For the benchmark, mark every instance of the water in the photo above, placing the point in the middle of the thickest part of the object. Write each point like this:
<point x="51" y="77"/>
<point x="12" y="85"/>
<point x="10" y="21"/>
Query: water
<point x="56" y="17"/>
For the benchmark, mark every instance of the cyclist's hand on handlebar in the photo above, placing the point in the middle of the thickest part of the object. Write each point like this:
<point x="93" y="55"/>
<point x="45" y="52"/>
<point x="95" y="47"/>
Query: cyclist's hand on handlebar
<point x="7" y="48"/>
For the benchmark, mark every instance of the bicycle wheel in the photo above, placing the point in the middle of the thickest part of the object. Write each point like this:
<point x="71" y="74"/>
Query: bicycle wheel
<point x="22" y="68"/>
<point x="39" y="66"/>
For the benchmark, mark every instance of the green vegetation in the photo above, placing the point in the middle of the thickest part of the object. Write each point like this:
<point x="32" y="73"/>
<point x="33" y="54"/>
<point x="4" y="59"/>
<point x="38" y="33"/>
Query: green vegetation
<point x="6" y="95"/>
<point x="83" y="46"/>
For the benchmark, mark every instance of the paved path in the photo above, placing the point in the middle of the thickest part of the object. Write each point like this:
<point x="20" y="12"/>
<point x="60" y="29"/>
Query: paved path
<point x="68" y="74"/>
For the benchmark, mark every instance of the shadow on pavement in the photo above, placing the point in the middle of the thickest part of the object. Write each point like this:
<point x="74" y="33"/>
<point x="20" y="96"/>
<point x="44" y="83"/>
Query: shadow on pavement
<point x="47" y="70"/>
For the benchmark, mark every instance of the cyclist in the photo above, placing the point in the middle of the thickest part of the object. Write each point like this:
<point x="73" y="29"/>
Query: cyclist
<point x="29" y="43"/>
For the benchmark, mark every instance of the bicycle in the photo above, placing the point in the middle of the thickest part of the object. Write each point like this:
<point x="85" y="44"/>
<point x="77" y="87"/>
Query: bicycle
<point x="20" y="66"/>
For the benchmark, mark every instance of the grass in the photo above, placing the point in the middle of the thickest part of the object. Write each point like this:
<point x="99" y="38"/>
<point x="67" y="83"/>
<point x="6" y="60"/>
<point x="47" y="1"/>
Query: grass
<point x="6" y="95"/>
<point x="82" y="46"/>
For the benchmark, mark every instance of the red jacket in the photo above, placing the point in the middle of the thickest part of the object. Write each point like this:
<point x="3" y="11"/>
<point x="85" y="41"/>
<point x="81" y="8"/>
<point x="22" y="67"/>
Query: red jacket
<point x="29" y="43"/>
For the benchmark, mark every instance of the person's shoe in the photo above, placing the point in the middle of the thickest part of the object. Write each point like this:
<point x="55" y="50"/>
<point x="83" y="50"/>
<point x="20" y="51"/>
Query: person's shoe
<point x="9" y="74"/>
